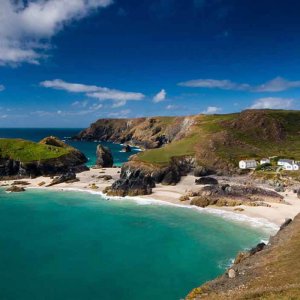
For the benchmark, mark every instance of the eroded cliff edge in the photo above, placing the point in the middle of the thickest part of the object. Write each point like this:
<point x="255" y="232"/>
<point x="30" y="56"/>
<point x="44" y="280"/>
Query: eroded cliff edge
<point x="265" y="272"/>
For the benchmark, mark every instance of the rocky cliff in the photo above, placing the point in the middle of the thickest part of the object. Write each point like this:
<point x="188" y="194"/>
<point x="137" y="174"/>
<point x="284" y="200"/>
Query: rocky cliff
<point x="216" y="142"/>
<point x="145" y="132"/>
<point x="48" y="157"/>
<point x="265" y="272"/>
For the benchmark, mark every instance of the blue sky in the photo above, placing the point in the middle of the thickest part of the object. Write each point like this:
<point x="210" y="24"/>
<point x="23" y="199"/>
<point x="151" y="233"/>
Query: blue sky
<point x="67" y="63"/>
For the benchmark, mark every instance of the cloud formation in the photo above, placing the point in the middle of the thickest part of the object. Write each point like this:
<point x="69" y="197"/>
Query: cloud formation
<point x="215" y="84"/>
<point x="119" y="98"/>
<point x="211" y="110"/>
<point x="277" y="84"/>
<point x="2" y="87"/>
<point x="272" y="103"/>
<point x="25" y="25"/>
<point x="159" y="97"/>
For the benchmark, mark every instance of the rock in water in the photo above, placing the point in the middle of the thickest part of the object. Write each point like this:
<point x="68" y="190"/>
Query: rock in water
<point x="15" y="189"/>
<point x="104" y="157"/>
<point x="126" y="148"/>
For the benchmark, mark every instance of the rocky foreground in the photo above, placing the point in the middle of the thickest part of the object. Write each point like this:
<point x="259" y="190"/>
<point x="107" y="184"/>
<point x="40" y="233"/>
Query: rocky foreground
<point x="265" y="272"/>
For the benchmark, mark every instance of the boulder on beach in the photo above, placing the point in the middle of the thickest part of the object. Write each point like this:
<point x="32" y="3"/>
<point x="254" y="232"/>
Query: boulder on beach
<point x="68" y="177"/>
<point x="206" y="180"/>
<point x="104" y="157"/>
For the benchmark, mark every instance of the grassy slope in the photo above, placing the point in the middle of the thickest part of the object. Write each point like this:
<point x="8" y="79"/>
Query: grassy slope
<point x="27" y="151"/>
<point x="271" y="274"/>
<point x="238" y="143"/>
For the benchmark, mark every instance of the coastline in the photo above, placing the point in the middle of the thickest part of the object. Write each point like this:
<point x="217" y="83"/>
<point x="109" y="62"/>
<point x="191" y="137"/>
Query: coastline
<point x="271" y="217"/>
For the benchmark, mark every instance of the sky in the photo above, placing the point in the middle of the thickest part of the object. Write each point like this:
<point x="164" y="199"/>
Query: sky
<point x="68" y="63"/>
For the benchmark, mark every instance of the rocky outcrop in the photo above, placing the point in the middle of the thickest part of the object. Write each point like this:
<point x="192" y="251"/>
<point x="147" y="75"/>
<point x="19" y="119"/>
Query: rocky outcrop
<point x="104" y="157"/>
<point x="147" y="133"/>
<point x="226" y="195"/>
<point x="126" y="148"/>
<point x="265" y="272"/>
<point x="132" y="182"/>
<point x="200" y="171"/>
<point x="68" y="177"/>
<point x="15" y="189"/>
<point x="206" y="180"/>
<point x="73" y="161"/>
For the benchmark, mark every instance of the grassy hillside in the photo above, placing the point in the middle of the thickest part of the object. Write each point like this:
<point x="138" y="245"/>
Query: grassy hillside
<point x="273" y="273"/>
<point x="222" y="140"/>
<point x="27" y="151"/>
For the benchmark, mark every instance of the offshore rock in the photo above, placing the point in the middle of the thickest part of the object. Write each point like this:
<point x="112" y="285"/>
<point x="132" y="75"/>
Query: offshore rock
<point x="104" y="157"/>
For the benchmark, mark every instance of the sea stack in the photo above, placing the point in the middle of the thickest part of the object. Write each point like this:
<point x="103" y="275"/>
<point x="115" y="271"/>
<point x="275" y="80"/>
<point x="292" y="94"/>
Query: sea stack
<point x="104" y="157"/>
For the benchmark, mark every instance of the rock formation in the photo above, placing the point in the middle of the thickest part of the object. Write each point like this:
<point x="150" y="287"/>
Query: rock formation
<point x="70" y="160"/>
<point x="265" y="272"/>
<point x="132" y="182"/>
<point x="126" y="148"/>
<point x="104" y="157"/>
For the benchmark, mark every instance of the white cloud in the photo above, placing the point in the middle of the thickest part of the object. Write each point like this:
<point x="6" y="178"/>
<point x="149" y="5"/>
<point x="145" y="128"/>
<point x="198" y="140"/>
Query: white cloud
<point x="211" y="110"/>
<point x="159" y="97"/>
<point x="2" y="87"/>
<point x="119" y="98"/>
<point x="213" y="84"/>
<point x="24" y="27"/>
<point x="59" y="84"/>
<point x="120" y="114"/>
<point x="277" y="84"/>
<point x="272" y="103"/>
<point x="171" y="107"/>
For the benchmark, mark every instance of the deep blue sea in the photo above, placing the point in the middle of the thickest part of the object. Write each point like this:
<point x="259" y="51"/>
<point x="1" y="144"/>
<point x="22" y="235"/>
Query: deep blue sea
<point x="88" y="148"/>
<point x="57" y="245"/>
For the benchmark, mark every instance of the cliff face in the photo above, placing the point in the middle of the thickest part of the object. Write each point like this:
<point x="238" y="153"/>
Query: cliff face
<point x="265" y="272"/>
<point x="49" y="157"/>
<point x="216" y="142"/>
<point x="145" y="132"/>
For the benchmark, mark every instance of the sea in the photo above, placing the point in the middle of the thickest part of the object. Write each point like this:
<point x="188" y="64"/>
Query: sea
<point x="78" y="245"/>
<point x="88" y="148"/>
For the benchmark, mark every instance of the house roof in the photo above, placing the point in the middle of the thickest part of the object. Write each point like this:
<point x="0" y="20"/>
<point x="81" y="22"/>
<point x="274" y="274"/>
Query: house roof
<point x="290" y="161"/>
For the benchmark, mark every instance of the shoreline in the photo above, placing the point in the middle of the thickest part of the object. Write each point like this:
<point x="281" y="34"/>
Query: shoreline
<point x="258" y="216"/>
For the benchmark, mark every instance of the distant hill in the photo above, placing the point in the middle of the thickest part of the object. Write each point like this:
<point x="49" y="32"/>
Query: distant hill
<point x="49" y="156"/>
<point x="215" y="141"/>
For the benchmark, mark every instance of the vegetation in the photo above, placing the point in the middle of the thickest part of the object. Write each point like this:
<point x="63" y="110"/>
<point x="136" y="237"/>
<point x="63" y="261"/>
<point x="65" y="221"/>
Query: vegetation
<point x="27" y="151"/>
<point x="230" y="138"/>
<point x="272" y="274"/>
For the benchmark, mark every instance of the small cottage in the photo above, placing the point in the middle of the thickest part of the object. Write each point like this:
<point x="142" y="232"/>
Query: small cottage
<point x="296" y="166"/>
<point x="265" y="161"/>
<point x="286" y="164"/>
<point x="248" y="164"/>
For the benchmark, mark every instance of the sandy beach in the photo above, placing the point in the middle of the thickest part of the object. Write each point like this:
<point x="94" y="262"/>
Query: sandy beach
<point x="91" y="181"/>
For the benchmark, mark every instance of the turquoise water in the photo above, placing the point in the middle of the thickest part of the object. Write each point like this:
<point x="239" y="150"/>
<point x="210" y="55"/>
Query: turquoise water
<point x="88" y="148"/>
<point x="72" y="245"/>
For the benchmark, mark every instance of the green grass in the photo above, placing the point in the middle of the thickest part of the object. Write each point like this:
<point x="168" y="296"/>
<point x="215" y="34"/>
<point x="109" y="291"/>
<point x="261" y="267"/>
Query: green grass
<point x="27" y="151"/>
<point x="162" y="156"/>
<point x="245" y="143"/>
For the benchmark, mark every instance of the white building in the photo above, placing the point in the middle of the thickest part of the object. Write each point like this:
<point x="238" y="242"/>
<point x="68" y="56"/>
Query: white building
<point x="265" y="161"/>
<point x="296" y="166"/>
<point x="248" y="164"/>
<point x="286" y="164"/>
